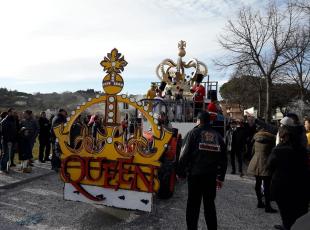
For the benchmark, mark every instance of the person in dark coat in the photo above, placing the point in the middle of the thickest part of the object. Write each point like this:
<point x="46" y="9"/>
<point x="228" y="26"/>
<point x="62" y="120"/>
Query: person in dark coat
<point x="179" y="105"/>
<point x="15" y="145"/>
<point x="8" y="139"/>
<point x="32" y="126"/>
<point x="263" y="145"/>
<point x="238" y="147"/>
<point x="299" y="137"/>
<point x="250" y="129"/>
<point x="290" y="183"/>
<point x="228" y="137"/>
<point x="2" y="116"/>
<point x="24" y="148"/>
<point x="95" y="128"/>
<point x="44" y="138"/>
<point x="124" y="124"/>
<point x="203" y="159"/>
<point x="75" y="132"/>
<point x="59" y="119"/>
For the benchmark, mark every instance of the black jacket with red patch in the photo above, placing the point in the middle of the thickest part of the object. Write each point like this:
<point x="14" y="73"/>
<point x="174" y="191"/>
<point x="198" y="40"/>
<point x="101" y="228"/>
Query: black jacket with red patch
<point x="203" y="153"/>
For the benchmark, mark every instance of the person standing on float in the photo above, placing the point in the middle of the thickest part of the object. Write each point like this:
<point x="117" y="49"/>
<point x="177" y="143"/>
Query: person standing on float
<point x="199" y="92"/>
<point x="151" y="93"/>
<point x="203" y="160"/>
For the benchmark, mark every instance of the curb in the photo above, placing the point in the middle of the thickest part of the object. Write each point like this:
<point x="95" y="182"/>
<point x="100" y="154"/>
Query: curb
<point x="21" y="182"/>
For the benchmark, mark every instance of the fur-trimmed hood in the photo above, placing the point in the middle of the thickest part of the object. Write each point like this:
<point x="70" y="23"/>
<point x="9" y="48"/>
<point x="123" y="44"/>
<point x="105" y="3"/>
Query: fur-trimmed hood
<point x="264" y="137"/>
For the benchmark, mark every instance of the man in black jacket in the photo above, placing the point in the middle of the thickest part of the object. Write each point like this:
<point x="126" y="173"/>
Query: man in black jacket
<point x="31" y="124"/>
<point x="44" y="138"/>
<point x="203" y="158"/>
<point x="238" y="147"/>
<point x="8" y="139"/>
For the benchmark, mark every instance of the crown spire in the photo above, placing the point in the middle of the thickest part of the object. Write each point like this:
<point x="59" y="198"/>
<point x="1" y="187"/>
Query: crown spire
<point x="113" y="64"/>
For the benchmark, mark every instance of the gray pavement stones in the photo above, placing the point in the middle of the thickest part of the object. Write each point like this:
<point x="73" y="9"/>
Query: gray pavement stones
<point x="236" y="210"/>
<point x="16" y="177"/>
<point x="39" y="204"/>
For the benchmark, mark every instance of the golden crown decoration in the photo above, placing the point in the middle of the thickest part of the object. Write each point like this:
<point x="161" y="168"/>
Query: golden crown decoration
<point x="174" y="73"/>
<point x="113" y="161"/>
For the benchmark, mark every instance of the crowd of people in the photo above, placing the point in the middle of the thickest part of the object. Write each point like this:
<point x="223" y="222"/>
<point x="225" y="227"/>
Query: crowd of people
<point x="19" y="133"/>
<point x="287" y="168"/>
<point x="278" y="158"/>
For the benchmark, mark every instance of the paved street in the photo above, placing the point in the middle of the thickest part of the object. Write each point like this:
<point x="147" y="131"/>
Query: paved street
<point x="39" y="205"/>
<point x="235" y="206"/>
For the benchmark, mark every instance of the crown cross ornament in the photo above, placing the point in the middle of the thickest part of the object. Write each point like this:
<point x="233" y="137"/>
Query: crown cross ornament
<point x="113" y="64"/>
<point x="98" y="170"/>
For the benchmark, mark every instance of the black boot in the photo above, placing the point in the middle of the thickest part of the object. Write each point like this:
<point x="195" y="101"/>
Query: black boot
<point x="260" y="204"/>
<point x="269" y="209"/>
<point x="279" y="227"/>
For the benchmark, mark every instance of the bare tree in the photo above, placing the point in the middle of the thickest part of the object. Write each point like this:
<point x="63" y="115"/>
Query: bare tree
<point x="298" y="69"/>
<point x="260" y="40"/>
<point x="303" y="5"/>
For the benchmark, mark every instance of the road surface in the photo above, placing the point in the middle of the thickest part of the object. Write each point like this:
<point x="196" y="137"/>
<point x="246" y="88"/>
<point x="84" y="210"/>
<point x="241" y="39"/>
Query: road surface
<point x="39" y="205"/>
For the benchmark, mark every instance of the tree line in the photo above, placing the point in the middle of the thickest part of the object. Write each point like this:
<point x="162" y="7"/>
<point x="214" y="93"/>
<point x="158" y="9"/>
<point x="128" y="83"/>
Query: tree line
<point x="41" y="102"/>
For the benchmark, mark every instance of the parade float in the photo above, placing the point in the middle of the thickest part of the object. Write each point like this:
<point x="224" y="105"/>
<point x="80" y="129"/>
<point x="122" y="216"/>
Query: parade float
<point x="124" y="166"/>
<point x="115" y="170"/>
<point x="180" y="74"/>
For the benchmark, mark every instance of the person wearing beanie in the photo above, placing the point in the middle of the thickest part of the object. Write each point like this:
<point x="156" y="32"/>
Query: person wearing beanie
<point x="299" y="132"/>
<point x="203" y="160"/>
<point x="285" y="121"/>
<point x="290" y="180"/>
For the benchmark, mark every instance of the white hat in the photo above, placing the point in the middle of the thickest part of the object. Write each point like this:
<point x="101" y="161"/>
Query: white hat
<point x="287" y="121"/>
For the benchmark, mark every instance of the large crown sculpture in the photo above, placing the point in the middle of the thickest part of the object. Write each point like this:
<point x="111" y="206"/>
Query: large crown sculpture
<point x="113" y="162"/>
<point x="175" y="73"/>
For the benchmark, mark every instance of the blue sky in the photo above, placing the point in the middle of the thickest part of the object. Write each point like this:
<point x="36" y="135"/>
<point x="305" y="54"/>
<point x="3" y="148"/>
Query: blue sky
<point x="57" y="45"/>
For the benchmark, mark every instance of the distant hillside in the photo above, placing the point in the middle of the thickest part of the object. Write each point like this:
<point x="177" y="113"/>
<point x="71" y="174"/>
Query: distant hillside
<point x="38" y="102"/>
